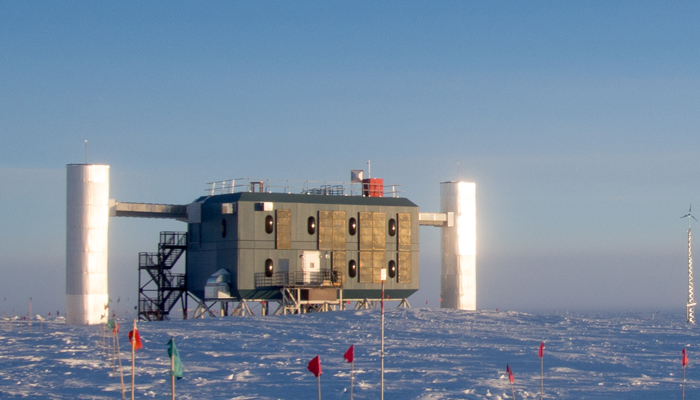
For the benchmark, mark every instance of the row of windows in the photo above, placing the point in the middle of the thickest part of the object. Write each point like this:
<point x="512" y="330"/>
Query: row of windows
<point x="352" y="268"/>
<point x="311" y="226"/>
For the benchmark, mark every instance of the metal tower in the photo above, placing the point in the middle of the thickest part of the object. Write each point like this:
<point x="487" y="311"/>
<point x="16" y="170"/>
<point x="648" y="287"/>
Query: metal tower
<point x="161" y="289"/>
<point x="690" y="306"/>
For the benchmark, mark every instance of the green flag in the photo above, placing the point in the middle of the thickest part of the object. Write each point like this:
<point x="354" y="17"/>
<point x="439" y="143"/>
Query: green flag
<point x="173" y="353"/>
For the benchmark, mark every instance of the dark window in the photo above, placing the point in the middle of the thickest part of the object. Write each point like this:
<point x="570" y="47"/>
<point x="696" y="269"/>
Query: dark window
<point x="269" y="224"/>
<point x="392" y="269"/>
<point x="311" y="227"/>
<point x="268" y="268"/>
<point x="223" y="228"/>
<point x="392" y="227"/>
<point x="352" y="269"/>
<point x="352" y="226"/>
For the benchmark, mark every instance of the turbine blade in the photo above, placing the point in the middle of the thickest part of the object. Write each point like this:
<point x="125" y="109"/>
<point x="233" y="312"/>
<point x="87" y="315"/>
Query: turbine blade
<point x="695" y="218"/>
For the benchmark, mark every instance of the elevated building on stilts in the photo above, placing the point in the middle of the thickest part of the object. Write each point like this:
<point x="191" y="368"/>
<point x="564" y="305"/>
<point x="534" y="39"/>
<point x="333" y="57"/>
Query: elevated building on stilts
<point x="298" y="247"/>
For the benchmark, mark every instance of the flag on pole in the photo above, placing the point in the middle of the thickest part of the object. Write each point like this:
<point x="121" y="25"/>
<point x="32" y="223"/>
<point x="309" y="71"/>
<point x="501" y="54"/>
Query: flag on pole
<point x="135" y="339"/>
<point x="315" y="366"/>
<point x="510" y="373"/>
<point x="175" y="355"/>
<point x="349" y="355"/>
<point x="684" y="362"/>
<point x="114" y="325"/>
<point x="541" y="355"/>
<point x="511" y="378"/>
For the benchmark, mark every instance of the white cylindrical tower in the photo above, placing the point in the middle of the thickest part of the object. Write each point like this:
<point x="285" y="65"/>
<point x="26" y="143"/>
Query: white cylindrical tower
<point x="86" y="243"/>
<point x="458" y="289"/>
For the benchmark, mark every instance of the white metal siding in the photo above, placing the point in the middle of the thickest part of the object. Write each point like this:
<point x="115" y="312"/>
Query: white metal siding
<point x="87" y="217"/>
<point x="458" y="289"/>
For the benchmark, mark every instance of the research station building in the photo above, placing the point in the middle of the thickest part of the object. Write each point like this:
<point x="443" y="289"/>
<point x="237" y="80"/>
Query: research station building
<point x="328" y="247"/>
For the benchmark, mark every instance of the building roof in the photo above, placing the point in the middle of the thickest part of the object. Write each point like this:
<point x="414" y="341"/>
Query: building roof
<point x="307" y="198"/>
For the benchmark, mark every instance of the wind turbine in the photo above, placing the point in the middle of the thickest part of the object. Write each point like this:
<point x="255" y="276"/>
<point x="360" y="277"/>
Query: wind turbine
<point x="690" y="306"/>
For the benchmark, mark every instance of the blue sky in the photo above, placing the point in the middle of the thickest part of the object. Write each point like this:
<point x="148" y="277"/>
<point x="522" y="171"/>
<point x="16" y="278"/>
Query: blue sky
<point x="577" y="121"/>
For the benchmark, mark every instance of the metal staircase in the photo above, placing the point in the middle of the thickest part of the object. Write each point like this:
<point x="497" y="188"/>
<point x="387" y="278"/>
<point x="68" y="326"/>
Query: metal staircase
<point x="159" y="288"/>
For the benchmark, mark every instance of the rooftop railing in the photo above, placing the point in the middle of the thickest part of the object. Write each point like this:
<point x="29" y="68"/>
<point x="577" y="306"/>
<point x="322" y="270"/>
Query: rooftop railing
<point x="323" y="188"/>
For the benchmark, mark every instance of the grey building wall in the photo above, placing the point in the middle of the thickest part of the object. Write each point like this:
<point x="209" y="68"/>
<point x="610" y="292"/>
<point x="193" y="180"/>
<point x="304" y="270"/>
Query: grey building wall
<point x="246" y="244"/>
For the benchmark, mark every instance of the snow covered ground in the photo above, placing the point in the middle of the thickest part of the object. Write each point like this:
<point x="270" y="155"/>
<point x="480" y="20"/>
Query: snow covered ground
<point x="430" y="354"/>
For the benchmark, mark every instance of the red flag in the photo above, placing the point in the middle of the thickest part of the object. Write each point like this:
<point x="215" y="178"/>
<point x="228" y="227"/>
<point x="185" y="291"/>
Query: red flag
<point x="315" y="366"/>
<point x="685" y="360"/>
<point x="541" y="350"/>
<point x="510" y="373"/>
<point x="349" y="355"/>
<point x="136" y="339"/>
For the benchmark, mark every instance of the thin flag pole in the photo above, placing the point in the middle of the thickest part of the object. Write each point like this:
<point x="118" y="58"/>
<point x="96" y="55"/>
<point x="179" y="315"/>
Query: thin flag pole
<point x="511" y="379"/>
<point x="352" y="370"/>
<point x="383" y="276"/>
<point x="114" y="350"/>
<point x="683" y="393"/>
<point x="119" y="357"/>
<point x="319" y="386"/>
<point x="133" y="358"/>
<point x="314" y="367"/>
<point x="104" y="331"/>
<point x="684" y="362"/>
<point x="541" y="377"/>
<point x="349" y="356"/>
<point x="541" y="355"/>
<point x="172" y="370"/>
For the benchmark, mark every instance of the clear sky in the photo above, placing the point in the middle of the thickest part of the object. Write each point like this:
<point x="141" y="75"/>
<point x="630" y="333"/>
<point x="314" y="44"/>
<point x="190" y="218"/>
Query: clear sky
<point x="578" y="121"/>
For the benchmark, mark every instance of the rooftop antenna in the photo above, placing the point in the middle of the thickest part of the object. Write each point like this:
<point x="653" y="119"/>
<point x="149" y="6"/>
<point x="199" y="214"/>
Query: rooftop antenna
<point x="85" y="151"/>
<point x="457" y="171"/>
<point x="369" y="169"/>
<point x="690" y="306"/>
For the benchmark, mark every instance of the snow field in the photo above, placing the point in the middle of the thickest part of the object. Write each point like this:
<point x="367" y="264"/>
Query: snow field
<point x="430" y="354"/>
